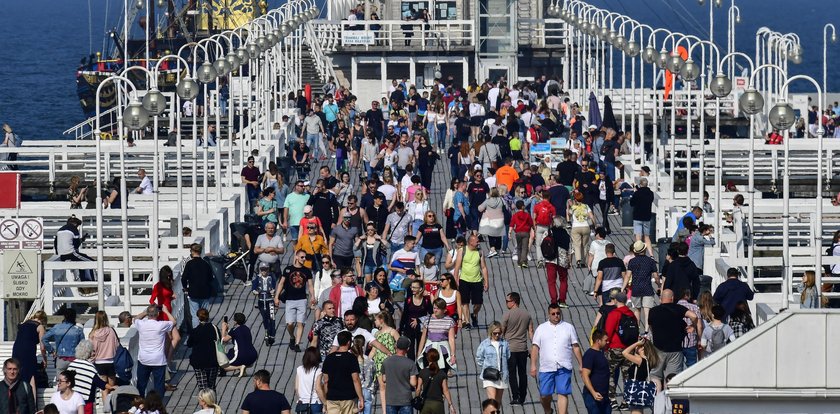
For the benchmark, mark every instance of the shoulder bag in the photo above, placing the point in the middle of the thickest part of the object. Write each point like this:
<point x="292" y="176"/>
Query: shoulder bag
<point x="640" y="393"/>
<point x="492" y="373"/>
<point x="302" y="408"/>
<point x="221" y="356"/>
<point x="419" y="401"/>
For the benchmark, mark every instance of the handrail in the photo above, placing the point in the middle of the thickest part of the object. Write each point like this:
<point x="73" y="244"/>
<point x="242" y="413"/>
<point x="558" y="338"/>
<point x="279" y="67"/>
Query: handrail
<point x="80" y="130"/>
<point x="323" y="62"/>
<point x="432" y="35"/>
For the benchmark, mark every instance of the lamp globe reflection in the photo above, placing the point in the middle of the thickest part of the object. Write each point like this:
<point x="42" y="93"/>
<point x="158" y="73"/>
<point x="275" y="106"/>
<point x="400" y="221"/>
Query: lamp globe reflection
<point x="134" y="116"/>
<point x="153" y="102"/>
<point x="233" y="60"/>
<point x="632" y="48"/>
<point x="690" y="70"/>
<point x="650" y="55"/>
<point x="675" y="63"/>
<point x="662" y="59"/>
<point x="222" y="67"/>
<point x="751" y="102"/>
<point x="721" y="86"/>
<point x="206" y="73"/>
<point x="782" y="116"/>
<point x="187" y="89"/>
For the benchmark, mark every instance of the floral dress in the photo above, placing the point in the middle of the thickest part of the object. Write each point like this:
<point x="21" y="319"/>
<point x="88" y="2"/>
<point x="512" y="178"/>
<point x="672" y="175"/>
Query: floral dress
<point x="387" y="340"/>
<point x="71" y="195"/>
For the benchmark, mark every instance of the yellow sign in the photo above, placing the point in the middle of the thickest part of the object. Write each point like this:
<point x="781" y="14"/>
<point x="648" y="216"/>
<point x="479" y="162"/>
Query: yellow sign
<point x="20" y="274"/>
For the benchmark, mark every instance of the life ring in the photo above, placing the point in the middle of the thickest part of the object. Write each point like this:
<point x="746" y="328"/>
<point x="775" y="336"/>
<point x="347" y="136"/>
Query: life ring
<point x="105" y="136"/>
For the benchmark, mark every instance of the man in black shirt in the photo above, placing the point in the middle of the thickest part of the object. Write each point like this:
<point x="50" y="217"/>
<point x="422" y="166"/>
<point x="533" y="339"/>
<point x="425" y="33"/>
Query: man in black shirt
<point x="609" y="150"/>
<point x="667" y="325"/>
<point x="324" y="206"/>
<point x="558" y="195"/>
<point x="292" y="288"/>
<point x="477" y="192"/>
<point x="341" y="383"/>
<point x="683" y="273"/>
<point x="369" y="193"/>
<point x="197" y="281"/>
<point x="264" y="400"/>
<point x="375" y="120"/>
<point x="642" y="202"/>
<point x="378" y="212"/>
<point x="454" y="154"/>
<point x="567" y="169"/>
<point x="329" y="180"/>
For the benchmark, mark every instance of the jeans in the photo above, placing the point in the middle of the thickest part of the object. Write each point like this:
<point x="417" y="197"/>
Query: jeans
<point x="312" y="141"/>
<point x="441" y="136"/>
<point x="398" y="409"/>
<point x="195" y="305"/>
<point x="267" y="313"/>
<point x="415" y="225"/>
<point x="596" y="407"/>
<point x="368" y="169"/>
<point x="157" y="372"/>
<point x="317" y="408"/>
<point x="517" y="364"/>
<point x="609" y="168"/>
<point x="367" y="394"/>
<point x="690" y="355"/>
<point x="505" y="241"/>
<point x="430" y="127"/>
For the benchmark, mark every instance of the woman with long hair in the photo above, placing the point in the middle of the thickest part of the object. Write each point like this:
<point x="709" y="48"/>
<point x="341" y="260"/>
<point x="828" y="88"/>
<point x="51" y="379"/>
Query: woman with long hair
<point x="449" y="208"/>
<point x="492" y="222"/>
<point x="267" y="207"/>
<point x="105" y="342"/>
<point x="162" y="291"/>
<point x="433" y="384"/>
<point x="705" y="302"/>
<point x="431" y="238"/>
<point x="387" y="336"/>
<point x="369" y="154"/>
<point x="644" y="358"/>
<point x="808" y="295"/>
<point x="448" y="292"/>
<point x="307" y="377"/>
<point x="581" y="217"/>
<point x="465" y="159"/>
<point x="417" y="209"/>
<point x="76" y="195"/>
<point x="366" y="373"/>
<point x="417" y="305"/>
<point x="491" y="357"/>
<point x="207" y="402"/>
<point x="269" y="178"/>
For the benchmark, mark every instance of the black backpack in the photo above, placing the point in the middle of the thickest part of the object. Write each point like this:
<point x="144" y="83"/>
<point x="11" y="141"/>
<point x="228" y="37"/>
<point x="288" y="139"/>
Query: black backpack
<point x="628" y="330"/>
<point x="548" y="248"/>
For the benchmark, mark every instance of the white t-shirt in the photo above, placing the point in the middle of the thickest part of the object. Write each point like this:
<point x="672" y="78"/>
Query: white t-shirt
<point x="348" y="296"/>
<point x="359" y="331"/>
<point x="597" y="248"/>
<point x="152" y="334"/>
<point x="555" y="343"/>
<point x="305" y="380"/>
<point x="70" y="406"/>
<point x="146" y="185"/>
<point x="373" y="306"/>
<point x="493" y="96"/>
<point x="388" y="190"/>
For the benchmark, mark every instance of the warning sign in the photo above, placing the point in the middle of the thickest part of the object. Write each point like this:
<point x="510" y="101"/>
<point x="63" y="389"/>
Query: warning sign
<point x="22" y="233"/>
<point x="20" y="274"/>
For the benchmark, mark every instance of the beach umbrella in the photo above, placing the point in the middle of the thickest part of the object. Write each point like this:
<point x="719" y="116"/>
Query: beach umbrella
<point x="609" y="116"/>
<point x="594" y="111"/>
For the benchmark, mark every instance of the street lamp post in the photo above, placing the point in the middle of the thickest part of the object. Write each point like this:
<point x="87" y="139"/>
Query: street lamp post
<point x="825" y="57"/>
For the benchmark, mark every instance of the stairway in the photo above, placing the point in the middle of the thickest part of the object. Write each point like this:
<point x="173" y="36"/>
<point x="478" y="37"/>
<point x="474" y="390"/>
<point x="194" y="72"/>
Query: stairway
<point x="309" y="71"/>
<point x="527" y="23"/>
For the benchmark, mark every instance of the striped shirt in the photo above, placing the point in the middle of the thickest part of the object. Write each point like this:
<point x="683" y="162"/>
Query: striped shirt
<point x="87" y="378"/>
<point x="690" y="340"/>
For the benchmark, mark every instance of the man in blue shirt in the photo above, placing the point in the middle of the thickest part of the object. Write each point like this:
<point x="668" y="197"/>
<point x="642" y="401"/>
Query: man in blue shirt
<point x="696" y="213"/>
<point x="331" y="114"/>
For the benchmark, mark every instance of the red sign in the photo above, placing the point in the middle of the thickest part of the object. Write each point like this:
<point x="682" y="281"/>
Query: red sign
<point x="9" y="190"/>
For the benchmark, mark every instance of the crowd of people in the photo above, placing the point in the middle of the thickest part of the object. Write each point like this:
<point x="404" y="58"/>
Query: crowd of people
<point x="389" y="279"/>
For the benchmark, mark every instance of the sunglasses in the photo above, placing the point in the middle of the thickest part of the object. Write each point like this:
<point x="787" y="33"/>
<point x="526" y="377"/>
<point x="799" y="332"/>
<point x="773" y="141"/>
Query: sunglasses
<point x="497" y="333"/>
<point x="554" y="313"/>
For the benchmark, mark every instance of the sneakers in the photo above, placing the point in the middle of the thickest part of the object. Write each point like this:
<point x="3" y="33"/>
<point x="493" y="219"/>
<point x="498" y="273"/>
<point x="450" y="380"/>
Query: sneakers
<point x="523" y="265"/>
<point x="492" y="253"/>
<point x="296" y="348"/>
<point x="562" y="305"/>
<point x="614" y="404"/>
<point x="514" y="257"/>
<point x="474" y="320"/>
<point x="623" y="406"/>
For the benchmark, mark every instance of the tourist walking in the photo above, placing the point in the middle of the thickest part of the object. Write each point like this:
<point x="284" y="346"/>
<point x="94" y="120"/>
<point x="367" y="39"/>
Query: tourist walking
<point x="595" y="371"/>
<point x="202" y="342"/>
<point x="307" y="376"/>
<point x="292" y="289"/>
<point x="732" y="290"/>
<point x="19" y="394"/>
<point x="439" y="333"/>
<point x="642" y="203"/>
<point x="492" y="222"/>
<point x="473" y="279"/>
<point x="642" y="269"/>
<point x="399" y="376"/>
<point x="433" y="386"/>
<point x="325" y="329"/>
<point x="341" y="385"/>
<point x="643" y="357"/>
<point x="66" y="336"/>
<point x="367" y="372"/>
<point x="197" y="281"/>
<point x="151" y="357"/>
<point x="518" y="330"/>
<point x="582" y="219"/>
<point x="557" y="258"/>
<point x="207" y="402"/>
<point x="417" y="305"/>
<point x="522" y="227"/>
<point x="491" y="359"/>
<point x="621" y="328"/>
<point x="87" y="379"/>
<point x="387" y="335"/>
<point x="263" y="286"/>
<point x="431" y="237"/>
<point x="555" y="344"/>
<point x="264" y="400"/>
<point x="668" y="329"/>
<point x="682" y="273"/>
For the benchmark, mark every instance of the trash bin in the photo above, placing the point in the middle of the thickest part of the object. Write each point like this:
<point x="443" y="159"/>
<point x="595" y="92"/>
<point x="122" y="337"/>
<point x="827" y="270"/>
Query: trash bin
<point x="626" y="214"/>
<point x="662" y="246"/>
<point x="705" y="283"/>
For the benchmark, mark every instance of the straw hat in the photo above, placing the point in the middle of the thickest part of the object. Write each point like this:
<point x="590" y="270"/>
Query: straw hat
<point x="639" y="247"/>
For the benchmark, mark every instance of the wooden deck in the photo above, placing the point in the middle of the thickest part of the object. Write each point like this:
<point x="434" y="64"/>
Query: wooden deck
<point x="465" y="387"/>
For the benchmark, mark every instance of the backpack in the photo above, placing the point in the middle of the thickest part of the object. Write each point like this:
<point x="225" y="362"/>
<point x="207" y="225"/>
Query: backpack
<point x="123" y="364"/>
<point x="719" y="338"/>
<point x="548" y="248"/>
<point x="542" y="215"/>
<point x="628" y="329"/>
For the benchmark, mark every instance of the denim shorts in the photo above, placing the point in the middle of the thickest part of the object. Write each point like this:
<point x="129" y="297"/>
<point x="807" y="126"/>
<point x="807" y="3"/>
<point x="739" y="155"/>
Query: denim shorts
<point x="641" y="228"/>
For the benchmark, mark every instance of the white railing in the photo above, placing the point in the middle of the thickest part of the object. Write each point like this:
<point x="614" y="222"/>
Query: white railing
<point x="434" y="35"/>
<point x="323" y="62"/>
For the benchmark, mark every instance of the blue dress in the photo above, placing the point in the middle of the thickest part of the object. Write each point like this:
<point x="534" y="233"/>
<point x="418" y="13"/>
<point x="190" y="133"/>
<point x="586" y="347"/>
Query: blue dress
<point x="243" y="351"/>
<point x="24" y="349"/>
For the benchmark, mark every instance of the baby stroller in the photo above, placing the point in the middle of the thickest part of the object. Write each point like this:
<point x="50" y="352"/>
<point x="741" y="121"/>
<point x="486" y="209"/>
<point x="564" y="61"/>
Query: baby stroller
<point x="120" y="399"/>
<point x="240" y="264"/>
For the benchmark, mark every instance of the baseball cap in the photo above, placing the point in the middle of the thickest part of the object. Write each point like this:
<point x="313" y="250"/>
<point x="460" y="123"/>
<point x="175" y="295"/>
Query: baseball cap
<point x="347" y="214"/>
<point x="477" y="167"/>
<point x="307" y="209"/>
<point x="264" y="266"/>
<point x="403" y="343"/>
<point x="591" y="127"/>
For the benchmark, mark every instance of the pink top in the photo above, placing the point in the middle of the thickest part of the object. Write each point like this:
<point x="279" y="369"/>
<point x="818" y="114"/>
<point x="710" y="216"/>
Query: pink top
<point x="105" y="343"/>
<point x="410" y="190"/>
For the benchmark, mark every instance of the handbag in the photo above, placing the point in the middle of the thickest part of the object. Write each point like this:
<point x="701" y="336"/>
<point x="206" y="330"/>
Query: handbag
<point x="491" y="373"/>
<point x="419" y="401"/>
<point x="221" y="356"/>
<point x="302" y="408"/>
<point x="639" y="393"/>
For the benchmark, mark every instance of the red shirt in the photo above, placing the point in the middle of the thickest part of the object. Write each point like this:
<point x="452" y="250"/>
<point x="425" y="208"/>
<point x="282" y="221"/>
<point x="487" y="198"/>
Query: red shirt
<point x="611" y="326"/>
<point x="521" y="222"/>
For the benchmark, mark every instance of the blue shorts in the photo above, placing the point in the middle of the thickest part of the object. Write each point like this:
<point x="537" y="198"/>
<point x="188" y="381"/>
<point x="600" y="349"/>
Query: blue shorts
<point x="641" y="228"/>
<point x="557" y="382"/>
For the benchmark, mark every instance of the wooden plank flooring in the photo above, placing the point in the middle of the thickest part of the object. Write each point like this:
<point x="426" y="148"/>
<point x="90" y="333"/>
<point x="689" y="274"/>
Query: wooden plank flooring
<point x="465" y="387"/>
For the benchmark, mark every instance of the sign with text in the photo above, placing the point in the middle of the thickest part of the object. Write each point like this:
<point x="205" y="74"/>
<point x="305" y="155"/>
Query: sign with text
<point x="20" y="274"/>
<point x="22" y="233"/>
<point x="357" y="37"/>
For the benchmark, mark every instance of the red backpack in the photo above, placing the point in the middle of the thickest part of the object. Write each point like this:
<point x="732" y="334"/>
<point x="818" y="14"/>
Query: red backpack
<point x="543" y="214"/>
